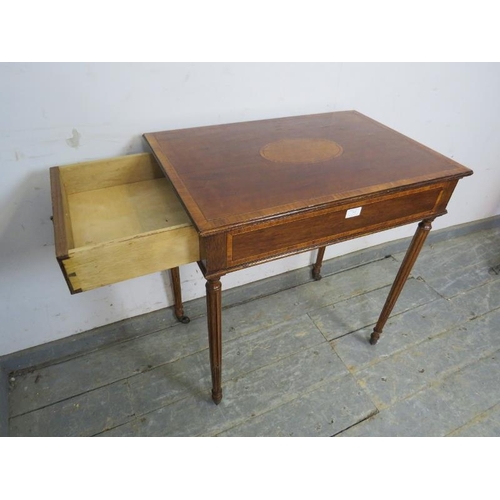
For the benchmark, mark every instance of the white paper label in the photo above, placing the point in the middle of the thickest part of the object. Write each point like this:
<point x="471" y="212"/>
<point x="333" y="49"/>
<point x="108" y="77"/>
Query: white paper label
<point x="353" y="212"/>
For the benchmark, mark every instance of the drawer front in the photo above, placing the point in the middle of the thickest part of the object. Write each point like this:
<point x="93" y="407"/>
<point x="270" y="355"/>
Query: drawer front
<point x="288" y="236"/>
<point x="119" y="260"/>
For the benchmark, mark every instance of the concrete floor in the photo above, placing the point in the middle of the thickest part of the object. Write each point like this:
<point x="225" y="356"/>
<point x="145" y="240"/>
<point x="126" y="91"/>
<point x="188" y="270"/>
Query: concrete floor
<point x="296" y="359"/>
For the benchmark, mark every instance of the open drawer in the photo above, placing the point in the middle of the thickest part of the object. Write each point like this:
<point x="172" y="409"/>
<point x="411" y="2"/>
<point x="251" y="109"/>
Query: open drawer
<point x="117" y="219"/>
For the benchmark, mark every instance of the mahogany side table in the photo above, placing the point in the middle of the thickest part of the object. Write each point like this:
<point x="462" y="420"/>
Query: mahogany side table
<point x="258" y="191"/>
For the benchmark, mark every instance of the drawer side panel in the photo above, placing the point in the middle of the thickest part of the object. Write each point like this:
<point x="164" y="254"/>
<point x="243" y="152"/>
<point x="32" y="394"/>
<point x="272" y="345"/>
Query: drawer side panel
<point x="92" y="267"/>
<point x="63" y="236"/>
<point x="100" y="174"/>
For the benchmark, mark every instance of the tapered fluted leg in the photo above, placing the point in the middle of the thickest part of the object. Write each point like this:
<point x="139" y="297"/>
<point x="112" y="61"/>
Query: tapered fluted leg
<point x="404" y="271"/>
<point x="176" y="286"/>
<point x="214" y="315"/>
<point x="316" y="271"/>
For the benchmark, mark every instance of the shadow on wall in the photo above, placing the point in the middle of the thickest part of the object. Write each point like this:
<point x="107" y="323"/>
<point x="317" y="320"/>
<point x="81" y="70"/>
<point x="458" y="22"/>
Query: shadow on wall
<point x="25" y="216"/>
<point x="35" y="303"/>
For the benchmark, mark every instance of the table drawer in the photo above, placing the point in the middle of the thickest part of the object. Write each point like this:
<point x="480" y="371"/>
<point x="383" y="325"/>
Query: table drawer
<point x="330" y="225"/>
<point x="118" y="219"/>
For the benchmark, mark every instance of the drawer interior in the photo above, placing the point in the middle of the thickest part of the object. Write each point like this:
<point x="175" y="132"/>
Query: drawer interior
<point x="117" y="219"/>
<point x="124" y="210"/>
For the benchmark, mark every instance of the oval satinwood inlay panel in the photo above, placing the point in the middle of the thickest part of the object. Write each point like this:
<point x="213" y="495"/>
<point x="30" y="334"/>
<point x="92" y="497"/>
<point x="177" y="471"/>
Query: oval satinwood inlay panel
<point x="301" y="150"/>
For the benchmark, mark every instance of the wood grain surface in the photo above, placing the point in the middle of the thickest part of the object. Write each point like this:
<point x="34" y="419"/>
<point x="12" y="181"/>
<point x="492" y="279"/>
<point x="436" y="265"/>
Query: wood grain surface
<point x="223" y="180"/>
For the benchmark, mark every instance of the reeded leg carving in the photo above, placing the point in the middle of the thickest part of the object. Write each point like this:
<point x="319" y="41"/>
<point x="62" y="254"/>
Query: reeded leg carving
<point x="404" y="271"/>
<point x="214" y="304"/>
<point x="316" y="271"/>
<point x="176" y="286"/>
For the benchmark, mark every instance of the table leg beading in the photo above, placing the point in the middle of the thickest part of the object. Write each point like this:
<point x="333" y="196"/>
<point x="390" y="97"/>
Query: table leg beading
<point x="404" y="271"/>
<point x="214" y="316"/>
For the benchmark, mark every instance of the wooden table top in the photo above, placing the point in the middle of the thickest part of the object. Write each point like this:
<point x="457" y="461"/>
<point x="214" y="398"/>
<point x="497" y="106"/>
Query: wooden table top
<point x="228" y="175"/>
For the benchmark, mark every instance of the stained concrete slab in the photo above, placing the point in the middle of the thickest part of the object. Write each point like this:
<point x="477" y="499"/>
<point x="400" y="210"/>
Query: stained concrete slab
<point x="285" y="306"/>
<point x="102" y="367"/>
<point x="479" y="300"/>
<point x="458" y="265"/>
<point x="83" y="415"/>
<point x="247" y="397"/>
<point x="401" y="331"/>
<point x="360" y="311"/>
<point x="438" y="355"/>
<point x="440" y="408"/>
<point x="325" y="411"/>
<point x="4" y="403"/>
<point x="405" y="373"/>
<point x="107" y="365"/>
<point x="191" y="375"/>
<point x="484" y="424"/>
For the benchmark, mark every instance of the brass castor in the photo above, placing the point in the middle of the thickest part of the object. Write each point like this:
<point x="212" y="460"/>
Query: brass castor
<point x="316" y="274"/>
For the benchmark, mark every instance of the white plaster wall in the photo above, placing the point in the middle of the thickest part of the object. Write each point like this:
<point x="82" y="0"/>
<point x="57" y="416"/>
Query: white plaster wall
<point x="55" y="114"/>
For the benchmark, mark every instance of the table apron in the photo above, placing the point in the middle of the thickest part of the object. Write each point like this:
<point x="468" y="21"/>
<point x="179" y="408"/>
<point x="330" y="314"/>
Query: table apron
<point x="296" y="233"/>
